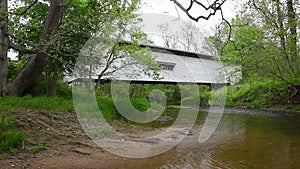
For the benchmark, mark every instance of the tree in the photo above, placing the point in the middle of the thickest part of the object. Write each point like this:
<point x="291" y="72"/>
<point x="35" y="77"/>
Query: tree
<point x="51" y="36"/>
<point x="211" y="7"/>
<point x="207" y="10"/>
<point x="188" y="37"/>
<point x="3" y="45"/>
<point x="111" y="51"/>
<point x="28" y="77"/>
<point x="264" y="41"/>
<point x="170" y="38"/>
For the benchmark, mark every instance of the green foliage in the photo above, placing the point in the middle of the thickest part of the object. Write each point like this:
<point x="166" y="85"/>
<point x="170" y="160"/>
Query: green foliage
<point x="258" y="44"/>
<point x="62" y="90"/>
<point x="31" y="29"/>
<point x="109" y="111"/>
<point x="37" y="149"/>
<point x="10" y="140"/>
<point x="264" y="44"/>
<point x="80" y="21"/>
<point x="107" y="108"/>
<point x="41" y="103"/>
<point x="258" y="95"/>
<point x="14" y="67"/>
<point x="6" y="121"/>
<point x="140" y="104"/>
<point x="205" y="95"/>
<point x="294" y="107"/>
<point x="172" y="92"/>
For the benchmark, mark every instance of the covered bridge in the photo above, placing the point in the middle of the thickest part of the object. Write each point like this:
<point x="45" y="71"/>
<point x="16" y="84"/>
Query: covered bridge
<point x="177" y="67"/>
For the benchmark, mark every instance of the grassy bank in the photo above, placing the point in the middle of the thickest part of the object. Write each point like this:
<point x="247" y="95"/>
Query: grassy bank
<point x="30" y="118"/>
<point x="261" y="95"/>
<point x="17" y="114"/>
<point x="11" y="137"/>
<point x="41" y="103"/>
<point x="50" y="104"/>
<point x="255" y="96"/>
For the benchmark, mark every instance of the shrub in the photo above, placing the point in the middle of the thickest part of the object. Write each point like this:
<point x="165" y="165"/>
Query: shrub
<point x="205" y="95"/>
<point x="258" y="95"/>
<point x="107" y="108"/>
<point x="109" y="111"/>
<point x="63" y="91"/>
<point x="140" y="104"/>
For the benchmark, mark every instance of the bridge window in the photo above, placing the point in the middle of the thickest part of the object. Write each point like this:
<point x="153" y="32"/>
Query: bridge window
<point x="166" y="65"/>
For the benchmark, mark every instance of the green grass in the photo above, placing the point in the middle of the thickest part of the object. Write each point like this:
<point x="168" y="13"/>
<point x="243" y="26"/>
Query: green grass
<point x="109" y="111"/>
<point x="294" y="107"/>
<point x="37" y="149"/>
<point x="107" y="108"/>
<point x="41" y="103"/>
<point x="6" y="121"/>
<point x="45" y="104"/>
<point x="10" y="139"/>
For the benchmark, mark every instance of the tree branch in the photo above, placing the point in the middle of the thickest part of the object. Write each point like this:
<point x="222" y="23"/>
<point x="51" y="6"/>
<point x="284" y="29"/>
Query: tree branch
<point x="215" y="6"/>
<point x="27" y="8"/>
<point x="20" y="49"/>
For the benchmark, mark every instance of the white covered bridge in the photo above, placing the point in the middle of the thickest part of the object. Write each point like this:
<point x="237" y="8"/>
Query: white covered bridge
<point x="177" y="67"/>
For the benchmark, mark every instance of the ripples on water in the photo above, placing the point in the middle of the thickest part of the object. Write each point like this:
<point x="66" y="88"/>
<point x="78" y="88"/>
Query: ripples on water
<point x="242" y="140"/>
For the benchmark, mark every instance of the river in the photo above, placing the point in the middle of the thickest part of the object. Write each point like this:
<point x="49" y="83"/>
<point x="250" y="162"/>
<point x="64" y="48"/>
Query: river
<point x="243" y="139"/>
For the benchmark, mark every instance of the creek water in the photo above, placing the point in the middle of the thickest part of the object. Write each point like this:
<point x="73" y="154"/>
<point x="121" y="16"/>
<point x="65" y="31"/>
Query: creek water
<point x="243" y="139"/>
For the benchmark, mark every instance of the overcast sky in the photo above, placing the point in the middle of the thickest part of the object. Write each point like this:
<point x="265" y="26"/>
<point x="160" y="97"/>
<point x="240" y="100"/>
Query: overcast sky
<point x="230" y="7"/>
<point x="157" y="12"/>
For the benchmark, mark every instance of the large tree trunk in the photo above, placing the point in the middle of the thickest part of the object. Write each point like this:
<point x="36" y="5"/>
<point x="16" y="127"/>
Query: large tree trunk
<point x="288" y="69"/>
<point x="3" y="46"/>
<point x="292" y="23"/>
<point x="27" y="79"/>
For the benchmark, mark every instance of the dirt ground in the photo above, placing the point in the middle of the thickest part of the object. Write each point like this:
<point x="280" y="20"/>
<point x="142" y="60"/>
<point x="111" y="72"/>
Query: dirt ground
<point x="68" y="146"/>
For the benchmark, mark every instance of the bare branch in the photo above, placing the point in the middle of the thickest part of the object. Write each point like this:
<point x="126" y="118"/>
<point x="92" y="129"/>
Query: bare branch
<point x="215" y="6"/>
<point x="228" y="23"/>
<point x="27" y="8"/>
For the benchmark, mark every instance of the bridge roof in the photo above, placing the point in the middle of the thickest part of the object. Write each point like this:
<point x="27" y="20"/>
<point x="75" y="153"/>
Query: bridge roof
<point x="181" y="67"/>
<point x="160" y="49"/>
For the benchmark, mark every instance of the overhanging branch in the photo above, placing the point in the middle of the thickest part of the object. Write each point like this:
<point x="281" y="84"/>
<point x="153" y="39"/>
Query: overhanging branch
<point x="20" y="49"/>
<point x="27" y="8"/>
<point x="214" y="7"/>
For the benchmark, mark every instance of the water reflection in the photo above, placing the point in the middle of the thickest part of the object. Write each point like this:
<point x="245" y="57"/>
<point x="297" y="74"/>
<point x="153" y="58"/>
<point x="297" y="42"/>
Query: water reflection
<point x="244" y="141"/>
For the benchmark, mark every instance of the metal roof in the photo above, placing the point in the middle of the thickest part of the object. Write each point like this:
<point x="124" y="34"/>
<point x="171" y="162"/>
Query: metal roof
<point x="188" y="67"/>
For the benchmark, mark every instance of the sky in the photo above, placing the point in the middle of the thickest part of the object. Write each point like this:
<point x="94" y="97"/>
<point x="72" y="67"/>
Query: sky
<point x="157" y="12"/>
<point x="167" y="7"/>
